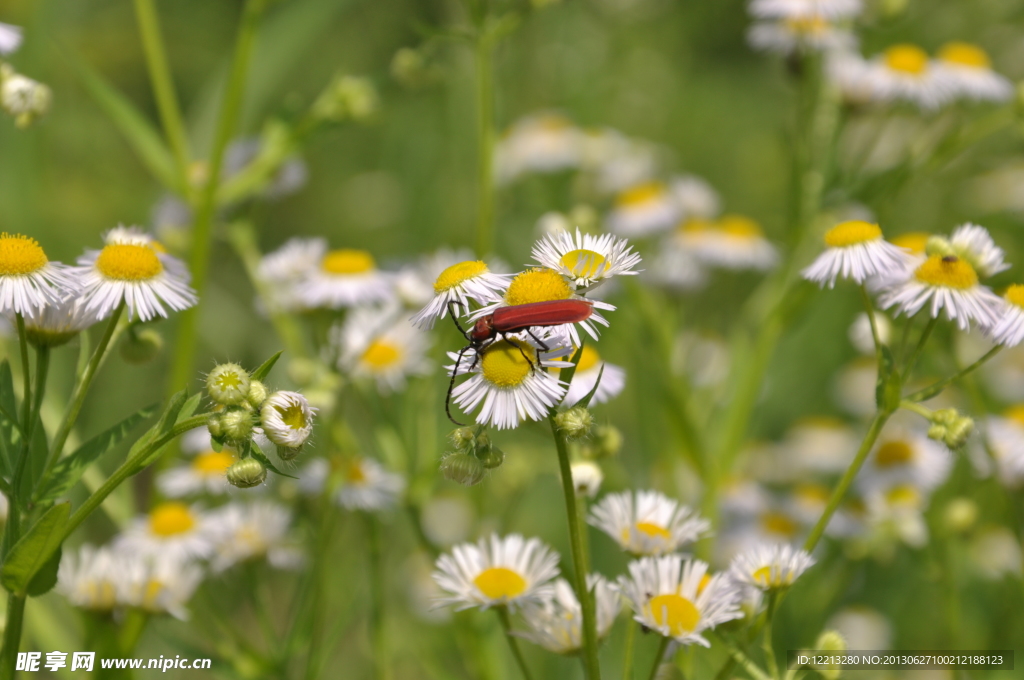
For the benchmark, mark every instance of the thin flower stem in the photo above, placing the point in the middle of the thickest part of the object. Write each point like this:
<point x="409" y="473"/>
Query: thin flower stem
<point x="42" y="369"/>
<point x="627" y="656"/>
<point x="591" y="662"/>
<point x="485" y="141"/>
<point x="662" y="647"/>
<point x="506" y="625"/>
<point x="26" y="378"/>
<point x="206" y="206"/>
<point x="869" y="308"/>
<point x="769" y="649"/>
<point x="919" y="349"/>
<point x="378" y="628"/>
<point x="844" y="484"/>
<point x="936" y="387"/>
<point x="12" y="635"/>
<point x="12" y="531"/>
<point x="743" y="660"/>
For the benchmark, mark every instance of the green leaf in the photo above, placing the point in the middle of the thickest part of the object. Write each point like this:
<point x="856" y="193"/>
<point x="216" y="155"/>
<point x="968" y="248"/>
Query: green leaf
<point x="35" y="549"/>
<point x="66" y="473"/>
<point x="170" y="414"/>
<point x="256" y="452"/>
<point x="190" y="406"/>
<point x="585" y="401"/>
<point x="264" y="369"/>
<point x="46" y="578"/>
<point x="8" y="420"/>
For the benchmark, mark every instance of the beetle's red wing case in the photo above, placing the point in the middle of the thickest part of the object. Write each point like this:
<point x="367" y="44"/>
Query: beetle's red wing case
<point x="551" y="313"/>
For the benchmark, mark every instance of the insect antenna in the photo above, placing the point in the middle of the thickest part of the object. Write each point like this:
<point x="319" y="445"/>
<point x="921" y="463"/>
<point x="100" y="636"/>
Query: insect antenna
<point x="451" y="311"/>
<point x="451" y="385"/>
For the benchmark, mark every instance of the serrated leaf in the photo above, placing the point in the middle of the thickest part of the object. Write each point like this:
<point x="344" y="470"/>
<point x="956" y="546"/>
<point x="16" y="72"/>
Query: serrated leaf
<point x="68" y="470"/>
<point x="35" y="549"/>
<point x="257" y="453"/>
<point x="46" y="578"/>
<point x="264" y="368"/>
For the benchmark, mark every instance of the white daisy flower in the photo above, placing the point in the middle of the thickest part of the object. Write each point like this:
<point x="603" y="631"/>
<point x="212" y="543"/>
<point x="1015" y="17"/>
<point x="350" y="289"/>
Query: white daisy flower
<point x="695" y="197"/>
<point x="807" y="502"/>
<point x="345" y="278"/>
<point x="905" y="73"/>
<point x="159" y="584"/>
<point x="613" y="378"/>
<point x="644" y="209"/>
<point x="206" y="473"/>
<point x="731" y="242"/>
<point x="28" y="280"/>
<point x="58" y="322"/>
<point x="243" y="531"/>
<point x="860" y="333"/>
<point x="586" y="478"/>
<point x="495" y="572"/>
<point x="948" y="283"/>
<point x="1005" y="436"/>
<point x="647" y="523"/>
<point x="137" y="236"/>
<point x="556" y="624"/>
<point x="461" y="283"/>
<point x="366" y="485"/>
<point x="805" y="9"/>
<point x="812" y="34"/>
<point x="509" y="380"/>
<point x="769" y="567"/>
<point x="968" y="69"/>
<point x="387" y="351"/>
<point x="586" y="260"/>
<point x="89" y="577"/>
<point x="678" y="599"/>
<point x="543" y="142"/>
<point x="25" y="99"/>
<point x="287" y="419"/>
<point x="414" y="283"/>
<point x="10" y="38"/>
<point x="170" y="530"/>
<point x="135" y="274"/>
<point x="896" y="512"/>
<point x="906" y="456"/>
<point x="915" y="244"/>
<point x="855" y="250"/>
<point x="284" y="270"/>
<point x="975" y="244"/>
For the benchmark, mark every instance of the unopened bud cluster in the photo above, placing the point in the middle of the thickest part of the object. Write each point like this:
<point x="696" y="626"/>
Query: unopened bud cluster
<point x="950" y="427"/>
<point x="473" y="456"/>
<point x="22" y="97"/>
<point x="575" y="423"/>
<point x="346" y="98"/>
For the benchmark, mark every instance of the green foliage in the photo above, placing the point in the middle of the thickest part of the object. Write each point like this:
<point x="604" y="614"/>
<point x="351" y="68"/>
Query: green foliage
<point x="34" y="552"/>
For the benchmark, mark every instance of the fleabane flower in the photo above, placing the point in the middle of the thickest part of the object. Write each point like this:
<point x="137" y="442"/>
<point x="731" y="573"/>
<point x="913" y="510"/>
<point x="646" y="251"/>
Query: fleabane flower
<point x="696" y="197"/>
<point x="644" y="209"/>
<point x="770" y="566"/>
<point x="509" y="380"/>
<point x="589" y="367"/>
<point x="414" y="283"/>
<point x="648" y="523"/>
<point x="949" y="283"/>
<point x="372" y="346"/>
<point x="461" y="283"/>
<point x="287" y="419"/>
<point x="1006" y="442"/>
<point x="134" y="274"/>
<point x="854" y="250"/>
<point x="246" y="531"/>
<point x="283" y="271"/>
<point x="586" y="478"/>
<point x="787" y="36"/>
<point x="58" y="322"/>
<point x="678" y="598"/>
<point x="367" y="485"/>
<point x="1009" y="329"/>
<point x="586" y="260"/>
<point x="974" y="244"/>
<point x="556" y="623"/>
<point x="543" y="142"/>
<point x="805" y="9"/>
<point x="730" y="242"/>
<point x="137" y="236"/>
<point x="904" y="72"/>
<point x="204" y="473"/>
<point x="171" y="530"/>
<point x="968" y="70"/>
<point x="345" y="278"/>
<point x="159" y="584"/>
<point x="28" y="280"/>
<point x="906" y="456"/>
<point x="10" y="38"/>
<point x="88" y="577"/>
<point x="496" y="571"/>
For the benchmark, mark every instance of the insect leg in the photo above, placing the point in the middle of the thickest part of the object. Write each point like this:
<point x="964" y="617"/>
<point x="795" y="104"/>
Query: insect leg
<point x="520" y="348"/>
<point x="543" y="345"/>
<point x="451" y="386"/>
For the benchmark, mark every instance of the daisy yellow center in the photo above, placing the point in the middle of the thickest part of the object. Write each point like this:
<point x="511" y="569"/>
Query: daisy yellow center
<point x="812" y="493"/>
<point x="851" y="233"/>
<point x="153" y="590"/>
<point x="504" y="365"/>
<point x="128" y="262"/>
<point x="1015" y="295"/>
<point x="498" y="583"/>
<point x="807" y="25"/>
<point x="740" y="227"/>
<point x="537" y="285"/>
<point x="20" y="255"/>
<point x="102" y="593"/>
<point x="457" y="274"/>
<point x="381" y="355"/>
<point x="965" y="54"/>
<point x="704" y="581"/>
<point x="553" y="123"/>
<point x="228" y="380"/>
<point x="653" y="530"/>
<point x="584" y="263"/>
<point x="1015" y="413"/>
<point x="906" y="59"/>
<point x="948" y="272"/>
<point x="588" y="359"/>
<point x="778" y="523"/>
<point x="915" y="241"/>
<point x="158" y="247"/>
<point x="675" y="612"/>
<point x="354" y="474"/>
<point x="346" y="261"/>
<point x="893" y="453"/>
<point x="292" y="416"/>
<point x="171" y="519"/>
<point x="763" y="576"/>
<point x="640" y="194"/>
<point x="212" y="462"/>
<point x="904" y="495"/>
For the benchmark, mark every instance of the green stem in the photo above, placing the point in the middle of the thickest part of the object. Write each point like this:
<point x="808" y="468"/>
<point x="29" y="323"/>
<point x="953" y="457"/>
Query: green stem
<point x="936" y="387"/>
<point x="207" y="202"/>
<point x="379" y="631"/>
<point x="12" y="635"/>
<point x="662" y="646"/>
<point x="163" y="87"/>
<point x="869" y="309"/>
<point x="591" y="663"/>
<point x="131" y="631"/>
<point x="627" y="656"/>
<point x="42" y="369"/>
<point x="769" y="648"/>
<point x="737" y="656"/>
<point x="12" y="530"/>
<point x="485" y="142"/>
<point x="844" y="484"/>
<point x="26" y="378"/>
<point x="506" y="625"/>
<point x="919" y="349"/>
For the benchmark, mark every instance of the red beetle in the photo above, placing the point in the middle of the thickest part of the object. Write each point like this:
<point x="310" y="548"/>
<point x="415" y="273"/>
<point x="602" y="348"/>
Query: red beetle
<point x="514" y="319"/>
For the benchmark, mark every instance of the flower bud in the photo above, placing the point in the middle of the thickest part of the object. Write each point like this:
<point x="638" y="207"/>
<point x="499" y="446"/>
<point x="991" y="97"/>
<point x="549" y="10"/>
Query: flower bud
<point x="228" y="384"/>
<point x="607" y="441"/>
<point x="409" y="68"/>
<point x="491" y="457"/>
<point x="142" y="346"/>
<point x="951" y="428"/>
<point x="463" y="438"/>
<point x="215" y="427"/>
<point x="586" y="478"/>
<point x="961" y="515"/>
<point x="257" y="394"/>
<point x="236" y="424"/>
<point x="22" y="97"/>
<point x="939" y="245"/>
<point x="463" y="468"/>
<point x="830" y="641"/>
<point x="288" y="453"/>
<point x="346" y="98"/>
<point x="247" y="473"/>
<point x="575" y="423"/>
<point x="287" y="419"/>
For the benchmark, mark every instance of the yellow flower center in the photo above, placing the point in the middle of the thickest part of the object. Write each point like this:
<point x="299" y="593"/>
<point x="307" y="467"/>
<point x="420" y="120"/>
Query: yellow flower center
<point x="812" y="493"/>
<point x="764" y="577"/>
<point x="851" y="233"/>
<point x="906" y="59"/>
<point x="537" y="285"/>
<point x="153" y="590"/>
<point x="346" y="261"/>
<point x="653" y="530"/>
<point x="101" y="594"/>
<point x="498" y="583"/>
<point x="640" y="194"/>
<point x="584" y="264"/>
<point x="588" y="359"/>
<point x="292" y="416"/>
<point x="504" y="365"/>
<point x="915" y="241"/>
<point x="127" y="262"/>
<point x="948" y="272"/>
<point x="1015" y="413"/>
<point x="354" y="473"/>
<point x="893" y="453"/>
<point x="20" y="255"/>
<point x="740" y="227"/>
<point x="381" y="355"/>
<point x="965" y="54"/>
<point x="1015" y="295"/>
<point x="704" y="581"/>
<point x="807" y="25"/>
<point x="228" y="380"/>
<point x="212" y="463"/>
<point x="778" y="523"/>
<point x="904" y="494"/>
<point x="675" y="612"/>
<point x="170" y="519"/>
<point x="458" y="274"/>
